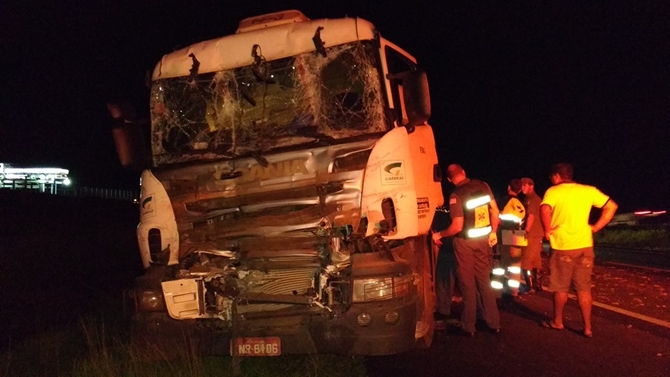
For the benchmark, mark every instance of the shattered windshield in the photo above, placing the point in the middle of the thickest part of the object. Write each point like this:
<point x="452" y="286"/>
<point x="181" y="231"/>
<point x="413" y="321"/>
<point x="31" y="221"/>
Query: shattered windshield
<point x="268" y="105"/>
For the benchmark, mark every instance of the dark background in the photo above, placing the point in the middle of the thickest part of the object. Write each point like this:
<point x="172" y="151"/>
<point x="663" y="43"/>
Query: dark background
<point x="515" y="87"/>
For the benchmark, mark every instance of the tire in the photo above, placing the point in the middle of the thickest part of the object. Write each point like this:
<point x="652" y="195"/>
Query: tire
<point x="423" y="266"/>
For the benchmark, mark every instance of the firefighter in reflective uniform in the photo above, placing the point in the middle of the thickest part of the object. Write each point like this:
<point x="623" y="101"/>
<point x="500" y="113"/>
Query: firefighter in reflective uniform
<point x="474" y="220"/>
<point x="512" y="216"/>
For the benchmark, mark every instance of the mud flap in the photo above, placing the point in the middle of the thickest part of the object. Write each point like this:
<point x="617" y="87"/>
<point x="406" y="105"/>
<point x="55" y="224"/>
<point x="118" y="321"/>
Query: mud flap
<point x="423" y="267"/>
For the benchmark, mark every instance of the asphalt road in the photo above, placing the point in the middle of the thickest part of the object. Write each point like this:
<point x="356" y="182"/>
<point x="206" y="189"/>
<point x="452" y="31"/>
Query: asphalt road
<point x="629" y="339"/>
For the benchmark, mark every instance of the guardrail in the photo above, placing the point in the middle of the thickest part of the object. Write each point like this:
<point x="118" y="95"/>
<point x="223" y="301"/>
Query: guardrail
<point x="105" y="193"/>
<point x="83" y="192"/>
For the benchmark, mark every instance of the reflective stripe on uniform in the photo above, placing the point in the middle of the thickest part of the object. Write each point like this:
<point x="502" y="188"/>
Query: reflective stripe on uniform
<point x="498" y="271"/>
<point x="514" y="269"/>
<point x="510" y="217"/>
<point x="476" y="202"/>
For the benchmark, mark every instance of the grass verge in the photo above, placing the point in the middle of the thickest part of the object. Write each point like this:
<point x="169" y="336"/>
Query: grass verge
<point x="95" y="348"/>
<point x="656" y="238"/>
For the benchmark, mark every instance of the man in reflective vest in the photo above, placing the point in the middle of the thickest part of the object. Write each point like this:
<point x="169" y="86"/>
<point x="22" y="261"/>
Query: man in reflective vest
<point x="474" y="220"/>
<point x="512" y="216"/>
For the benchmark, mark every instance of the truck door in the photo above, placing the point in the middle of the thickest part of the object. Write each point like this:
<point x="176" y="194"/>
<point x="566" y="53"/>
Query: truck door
<point x="426" y="171"/>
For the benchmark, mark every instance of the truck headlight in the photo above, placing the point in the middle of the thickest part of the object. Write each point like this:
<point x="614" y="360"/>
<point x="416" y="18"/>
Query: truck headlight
<point x="150" y="300"/>
<point x="384" y="288"/>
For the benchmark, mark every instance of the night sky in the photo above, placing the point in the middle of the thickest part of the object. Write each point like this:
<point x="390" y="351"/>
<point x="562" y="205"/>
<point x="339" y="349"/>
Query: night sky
<point x="515" y="86"/>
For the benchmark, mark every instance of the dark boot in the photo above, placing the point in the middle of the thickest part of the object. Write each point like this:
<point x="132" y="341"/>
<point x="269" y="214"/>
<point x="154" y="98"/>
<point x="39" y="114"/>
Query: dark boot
<point x="537" y="284"/>
<point x="528" y="277"/>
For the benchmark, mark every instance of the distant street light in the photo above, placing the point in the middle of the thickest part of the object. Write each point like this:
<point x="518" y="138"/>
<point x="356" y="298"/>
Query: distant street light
<point x="40" y="179"/>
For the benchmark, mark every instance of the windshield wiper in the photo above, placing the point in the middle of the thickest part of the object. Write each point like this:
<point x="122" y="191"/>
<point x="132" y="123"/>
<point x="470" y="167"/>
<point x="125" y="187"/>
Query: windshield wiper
<point x="312" y="131"/>
<point x="303" y="125"/>
<point x="256" y="155"/>
<point x="231" y="175"/>
<point x="246" y="95"/>
<point x="260" y="159"/>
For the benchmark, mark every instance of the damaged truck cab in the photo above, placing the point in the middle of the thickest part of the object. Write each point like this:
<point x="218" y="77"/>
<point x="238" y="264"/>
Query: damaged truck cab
<point x="291" y="187"/>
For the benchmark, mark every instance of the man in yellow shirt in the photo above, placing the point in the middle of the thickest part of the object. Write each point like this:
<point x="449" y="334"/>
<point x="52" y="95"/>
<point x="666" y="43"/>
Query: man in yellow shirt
<point x="565" y="211"/>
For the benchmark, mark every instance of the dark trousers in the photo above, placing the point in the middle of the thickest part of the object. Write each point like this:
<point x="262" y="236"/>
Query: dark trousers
<point x="473" y="271"/>
<point x="445" y="277"/>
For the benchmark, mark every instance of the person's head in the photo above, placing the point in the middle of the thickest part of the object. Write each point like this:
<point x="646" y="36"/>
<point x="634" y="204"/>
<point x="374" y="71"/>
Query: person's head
<point x="527" y="185"/>
<point x="514" y="187"/>
<point x="561" y="172"/>
<point x="455" y="173"/>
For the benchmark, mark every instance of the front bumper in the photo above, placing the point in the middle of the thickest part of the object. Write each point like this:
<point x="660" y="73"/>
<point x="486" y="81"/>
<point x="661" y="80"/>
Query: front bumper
<point x="391" y="329"/>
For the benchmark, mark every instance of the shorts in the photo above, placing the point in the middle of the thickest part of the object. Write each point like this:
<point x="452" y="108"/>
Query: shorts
<point x="571" y="266"/>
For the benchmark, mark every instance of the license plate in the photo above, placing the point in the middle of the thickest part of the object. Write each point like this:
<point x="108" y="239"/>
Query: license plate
<point x="268" y="346"/>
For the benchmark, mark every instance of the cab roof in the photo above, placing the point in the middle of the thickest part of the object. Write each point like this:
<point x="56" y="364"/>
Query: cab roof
<point x="279" y="35"/>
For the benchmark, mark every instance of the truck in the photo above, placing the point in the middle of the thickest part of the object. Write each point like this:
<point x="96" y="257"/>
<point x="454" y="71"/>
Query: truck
<point x="288" y="192"/>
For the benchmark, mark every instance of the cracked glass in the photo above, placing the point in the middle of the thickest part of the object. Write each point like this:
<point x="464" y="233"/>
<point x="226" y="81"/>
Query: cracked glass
<point x="303" y="99"/>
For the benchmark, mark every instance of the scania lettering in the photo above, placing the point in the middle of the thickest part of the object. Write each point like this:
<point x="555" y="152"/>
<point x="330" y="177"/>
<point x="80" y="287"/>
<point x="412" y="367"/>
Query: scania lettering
<point x="288" y="192"/>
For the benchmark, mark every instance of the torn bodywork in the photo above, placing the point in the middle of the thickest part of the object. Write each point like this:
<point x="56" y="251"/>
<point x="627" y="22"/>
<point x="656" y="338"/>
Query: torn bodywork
<point x="274" y="244"/>
<point x="285" y="202"/>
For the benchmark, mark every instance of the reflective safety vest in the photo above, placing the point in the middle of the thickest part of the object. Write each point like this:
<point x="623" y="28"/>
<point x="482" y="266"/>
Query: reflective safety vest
<point x="513" y="214"/>
<point x="475" y="198"/>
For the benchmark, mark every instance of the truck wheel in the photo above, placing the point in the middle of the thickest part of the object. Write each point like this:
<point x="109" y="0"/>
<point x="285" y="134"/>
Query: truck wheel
<point x="423" y="267"/>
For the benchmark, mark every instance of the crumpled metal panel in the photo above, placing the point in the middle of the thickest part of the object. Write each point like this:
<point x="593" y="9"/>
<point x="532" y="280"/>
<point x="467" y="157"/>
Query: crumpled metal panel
<point x="273" y="212"/>
<point x="274" y="236"/>
<point x="266" y="167"/>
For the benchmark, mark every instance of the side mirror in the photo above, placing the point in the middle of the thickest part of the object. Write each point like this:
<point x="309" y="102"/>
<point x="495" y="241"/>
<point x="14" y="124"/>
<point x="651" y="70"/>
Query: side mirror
<point x="417" y="97"/>
<point x="130" y="146"/>
<point x="128" y="138"/>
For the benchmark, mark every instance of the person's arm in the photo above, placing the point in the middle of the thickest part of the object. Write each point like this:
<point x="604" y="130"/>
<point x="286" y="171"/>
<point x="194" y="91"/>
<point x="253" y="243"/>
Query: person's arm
<point x="454" y="228"/>
<point x="494" y="212"/>
<point x="457" y="221"/>
<point x="606" y="215"/>
<point x="545" y="216"/>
